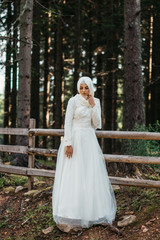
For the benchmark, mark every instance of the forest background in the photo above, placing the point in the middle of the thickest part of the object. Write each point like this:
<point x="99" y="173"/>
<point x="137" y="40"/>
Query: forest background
<point x="48" y="45"/>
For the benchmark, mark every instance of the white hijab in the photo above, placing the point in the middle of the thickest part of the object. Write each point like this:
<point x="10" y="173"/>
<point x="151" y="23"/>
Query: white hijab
<point x="89" y="83"/>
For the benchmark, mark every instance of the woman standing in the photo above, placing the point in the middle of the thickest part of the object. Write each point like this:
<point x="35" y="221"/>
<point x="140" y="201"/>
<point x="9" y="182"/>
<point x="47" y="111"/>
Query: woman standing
<point x="82" y="193"/>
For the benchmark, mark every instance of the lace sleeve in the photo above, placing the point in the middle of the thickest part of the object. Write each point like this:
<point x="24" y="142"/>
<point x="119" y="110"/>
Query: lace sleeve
<point x="68" y="123"/>
<point x="96" y="115"/>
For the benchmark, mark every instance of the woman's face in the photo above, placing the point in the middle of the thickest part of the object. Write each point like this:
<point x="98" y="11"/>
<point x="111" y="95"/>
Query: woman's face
<point x="84" y="90"/>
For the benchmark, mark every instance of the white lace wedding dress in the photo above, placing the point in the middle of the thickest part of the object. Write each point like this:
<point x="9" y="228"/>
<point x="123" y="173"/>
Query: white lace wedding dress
<point x="82" y="193"/>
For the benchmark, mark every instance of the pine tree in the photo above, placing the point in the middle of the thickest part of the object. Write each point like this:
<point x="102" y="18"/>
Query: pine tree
<point x="26" y="11"/>
<point x="133" y="85"/>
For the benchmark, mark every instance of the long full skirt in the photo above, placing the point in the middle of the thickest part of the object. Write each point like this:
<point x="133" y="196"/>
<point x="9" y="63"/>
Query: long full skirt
<point x="82" y="193"/>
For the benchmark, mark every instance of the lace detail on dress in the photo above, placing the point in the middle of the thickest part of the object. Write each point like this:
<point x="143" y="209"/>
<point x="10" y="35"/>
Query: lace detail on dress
<point x="80" y="111"/>
<point x="83" y="101"/>
<point x="96" y="115"/>
<point x="68" y="122"/>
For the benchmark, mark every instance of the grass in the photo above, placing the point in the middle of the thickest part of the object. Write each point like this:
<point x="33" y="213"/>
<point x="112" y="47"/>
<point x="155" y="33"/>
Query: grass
<point x="2" y="223"/>
<point x="143" y="202"/>
<point x="49" y="163"/>
<point x="39" y="218"/>
<point x="145" y="147"/>
<point x="12" y="180"/>
<point x="138" y="198"/>
<point x="136" y="204"/>
<point x="154" y="177"/>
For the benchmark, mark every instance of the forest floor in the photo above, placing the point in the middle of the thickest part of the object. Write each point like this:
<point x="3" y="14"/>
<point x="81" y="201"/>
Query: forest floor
<point x="29" y="217"/>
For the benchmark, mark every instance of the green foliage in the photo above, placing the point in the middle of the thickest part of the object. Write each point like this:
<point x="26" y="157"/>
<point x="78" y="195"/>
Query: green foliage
<point x="150" y="193"/>
<point x="132" y="189"/>
<point x="141" y="197"/>
<point x="136" y="204"/>
<point x="119" y="209"/>
<point x="12" y="180"/>
<point x="1" y="115"/>
<point x="44" y="163"/>
<point x="39" y="218"/>
<point x="2" y="223"/>
<point x="144" y="147"/>
<point x="6" y="157"/>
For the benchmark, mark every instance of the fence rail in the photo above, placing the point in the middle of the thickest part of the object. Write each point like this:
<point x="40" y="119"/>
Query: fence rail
<point x="53" y="153"/>
<point x="100" y="134"/>
<point x="14" y="131"/>
<point x="51" y="173"/>
<point x="14" y="149"/>
<point x="32" y="151"/>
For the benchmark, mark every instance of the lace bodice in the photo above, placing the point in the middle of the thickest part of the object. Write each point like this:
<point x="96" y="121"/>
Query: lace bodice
<point x="80" y="114"/>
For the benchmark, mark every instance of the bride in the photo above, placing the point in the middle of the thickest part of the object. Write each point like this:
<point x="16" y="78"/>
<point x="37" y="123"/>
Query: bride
<point x="82" y="193"/>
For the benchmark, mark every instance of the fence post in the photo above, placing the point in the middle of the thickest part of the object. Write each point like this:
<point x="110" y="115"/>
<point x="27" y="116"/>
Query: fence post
<point x="31" y="158"/>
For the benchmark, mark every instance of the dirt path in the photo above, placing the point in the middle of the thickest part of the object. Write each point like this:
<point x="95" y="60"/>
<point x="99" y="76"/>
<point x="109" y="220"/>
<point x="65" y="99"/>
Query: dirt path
<point x="25" y="217"/>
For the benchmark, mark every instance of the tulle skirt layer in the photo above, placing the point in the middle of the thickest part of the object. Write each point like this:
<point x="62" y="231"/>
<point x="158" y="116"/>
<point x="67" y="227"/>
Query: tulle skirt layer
<point x="82" y="193"/>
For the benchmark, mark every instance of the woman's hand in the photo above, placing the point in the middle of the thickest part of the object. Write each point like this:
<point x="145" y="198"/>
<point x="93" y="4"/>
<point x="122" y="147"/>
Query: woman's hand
<point x="91" y="101"/>
<point x="69" y="151"/>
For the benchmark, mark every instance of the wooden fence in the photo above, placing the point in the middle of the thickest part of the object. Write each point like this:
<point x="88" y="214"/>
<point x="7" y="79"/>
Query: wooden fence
<point x="32" y="151"/>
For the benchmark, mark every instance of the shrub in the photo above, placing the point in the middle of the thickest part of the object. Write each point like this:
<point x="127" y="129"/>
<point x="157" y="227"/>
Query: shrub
<point x="144" y="147"/>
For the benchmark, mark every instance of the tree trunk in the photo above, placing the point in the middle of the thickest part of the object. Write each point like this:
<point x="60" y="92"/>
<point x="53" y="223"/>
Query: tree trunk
<point x="7" y="97"/>
<point x="99" y="68"/>
<point x="114" y="104"/>
<point x="58" y="81"/>
<point x="156" y="63"/>
<point x="15" y="65"/>
<point x="46" y="94"/>
<point x="90" y="47"/>
<point x="26" y="11"/>
<point x="99" y="60"/>
<point x="35" y="76"/>
<point x="108" y="108"/>
<point x="147" y="56"/>
<point x="77" y="53"/>
<point x="108" y="84"/>
<point x="133" y="86"/>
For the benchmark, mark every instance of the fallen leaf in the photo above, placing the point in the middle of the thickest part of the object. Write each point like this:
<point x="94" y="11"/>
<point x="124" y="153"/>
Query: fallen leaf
<point x="128" y="213"/>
